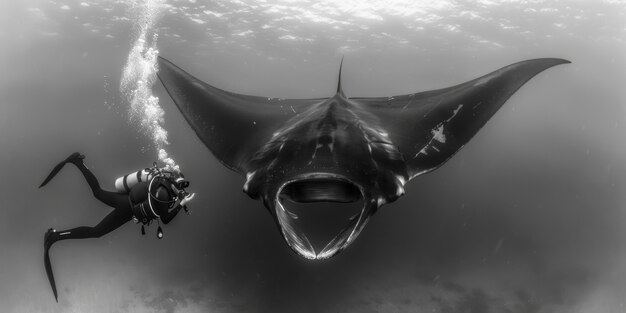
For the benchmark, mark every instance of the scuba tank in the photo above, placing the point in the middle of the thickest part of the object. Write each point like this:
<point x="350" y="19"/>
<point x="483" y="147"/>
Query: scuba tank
<point x="125" y="183"/>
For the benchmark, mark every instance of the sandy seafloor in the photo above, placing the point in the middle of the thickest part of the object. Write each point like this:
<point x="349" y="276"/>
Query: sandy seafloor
<point x="530" y="216"/>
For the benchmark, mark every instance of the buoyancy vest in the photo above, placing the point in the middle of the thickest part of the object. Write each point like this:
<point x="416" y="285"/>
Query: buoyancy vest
<point x="147" y="197"/>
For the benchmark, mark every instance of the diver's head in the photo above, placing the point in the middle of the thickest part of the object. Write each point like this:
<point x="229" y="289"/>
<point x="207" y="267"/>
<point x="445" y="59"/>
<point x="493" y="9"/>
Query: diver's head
<point x="174" y="178"/>
<point x="179" y="184"/>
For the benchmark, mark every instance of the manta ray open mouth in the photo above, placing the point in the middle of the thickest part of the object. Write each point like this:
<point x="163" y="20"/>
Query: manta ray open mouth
<point x="322" y="210"/>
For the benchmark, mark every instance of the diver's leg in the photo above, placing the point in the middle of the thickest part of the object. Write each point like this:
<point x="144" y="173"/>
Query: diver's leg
<point x="118" y="217"/>
<point x="73" y="157"/>
<point x="108" y="197"/>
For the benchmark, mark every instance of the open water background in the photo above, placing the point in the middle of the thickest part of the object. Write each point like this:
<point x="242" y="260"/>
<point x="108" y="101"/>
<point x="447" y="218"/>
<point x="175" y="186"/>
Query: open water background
<point x="529" y="217"/>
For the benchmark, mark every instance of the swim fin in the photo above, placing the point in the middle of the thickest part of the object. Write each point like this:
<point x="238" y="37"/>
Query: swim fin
<point x="72" y="158"/>
<point x="46" y="261"/>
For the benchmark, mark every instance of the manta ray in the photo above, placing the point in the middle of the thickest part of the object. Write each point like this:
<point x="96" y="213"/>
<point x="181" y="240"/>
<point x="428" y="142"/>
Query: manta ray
<point x="338" y="149"/>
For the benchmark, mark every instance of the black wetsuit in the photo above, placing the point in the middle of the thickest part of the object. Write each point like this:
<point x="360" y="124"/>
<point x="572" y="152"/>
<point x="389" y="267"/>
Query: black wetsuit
<point x="121" y="213"/>
<point x="122" y="210"/>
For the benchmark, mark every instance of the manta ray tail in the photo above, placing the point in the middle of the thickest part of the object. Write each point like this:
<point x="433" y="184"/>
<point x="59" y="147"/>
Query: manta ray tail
<point x="339" y="90"/>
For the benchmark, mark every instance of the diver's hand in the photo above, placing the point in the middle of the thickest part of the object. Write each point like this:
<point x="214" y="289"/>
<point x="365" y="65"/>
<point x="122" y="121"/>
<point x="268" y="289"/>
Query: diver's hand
<point x="187" y="199"/>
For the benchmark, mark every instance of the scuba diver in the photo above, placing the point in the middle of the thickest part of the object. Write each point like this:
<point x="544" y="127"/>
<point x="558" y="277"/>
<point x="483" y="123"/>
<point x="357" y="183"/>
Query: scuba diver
<point x="145" y="196"/>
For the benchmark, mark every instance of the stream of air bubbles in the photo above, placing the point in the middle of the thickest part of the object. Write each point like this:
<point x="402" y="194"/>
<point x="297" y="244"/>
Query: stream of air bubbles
<point x="140" y="74"/>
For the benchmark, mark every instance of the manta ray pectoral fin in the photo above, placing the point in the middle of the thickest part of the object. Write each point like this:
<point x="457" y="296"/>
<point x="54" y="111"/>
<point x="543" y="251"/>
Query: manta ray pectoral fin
<point x="231" y="125"/>
<point x="430" y="127"/>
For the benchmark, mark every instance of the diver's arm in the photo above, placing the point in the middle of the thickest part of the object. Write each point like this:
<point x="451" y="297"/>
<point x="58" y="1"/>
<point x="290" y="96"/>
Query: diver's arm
<point x="167" y="216"/>
<point x="187" y="198"/>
